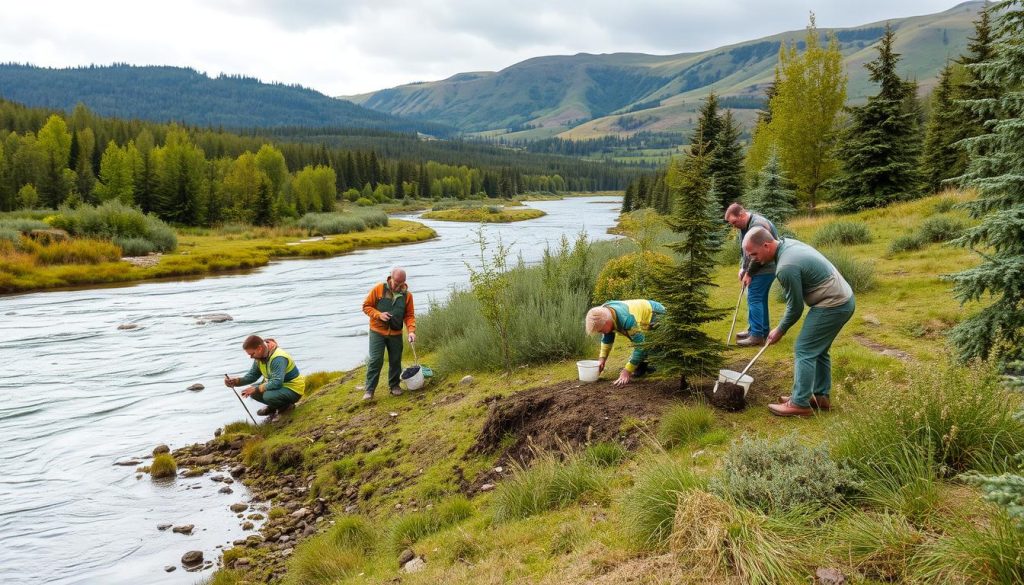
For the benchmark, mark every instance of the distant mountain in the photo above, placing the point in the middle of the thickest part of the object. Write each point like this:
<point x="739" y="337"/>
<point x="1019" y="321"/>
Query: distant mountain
<point x="178" y="94"/>
<point x="585" y="95"/>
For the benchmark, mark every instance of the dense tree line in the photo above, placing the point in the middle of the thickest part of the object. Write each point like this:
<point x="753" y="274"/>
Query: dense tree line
<point x="201" y="177"/>
<point x="603" y="145"/>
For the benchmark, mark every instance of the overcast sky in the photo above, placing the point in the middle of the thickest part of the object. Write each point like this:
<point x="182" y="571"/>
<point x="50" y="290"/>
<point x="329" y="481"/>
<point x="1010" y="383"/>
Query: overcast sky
<point x="342" y="47"/>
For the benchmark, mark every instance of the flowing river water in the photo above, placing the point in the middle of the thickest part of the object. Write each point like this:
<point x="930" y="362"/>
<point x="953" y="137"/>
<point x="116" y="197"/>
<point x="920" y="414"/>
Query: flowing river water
<point x="80" y="395"/>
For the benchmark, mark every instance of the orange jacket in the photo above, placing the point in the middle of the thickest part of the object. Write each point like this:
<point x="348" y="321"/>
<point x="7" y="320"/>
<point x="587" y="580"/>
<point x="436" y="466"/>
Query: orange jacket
<point x="370" y="308"/>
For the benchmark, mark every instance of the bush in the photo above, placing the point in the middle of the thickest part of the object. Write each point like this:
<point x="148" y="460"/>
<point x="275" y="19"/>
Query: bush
<point x="163" y="465"/>
<point x="906" y="243"/>
<point x="961" y="416"/>
<point x="649" y="508"/>
<point x="682" y="424"/>
<point x="548" y="485"/>
<point x="364" y="202"/>
<point x="74" y="252"/>
<point x="629" y="277"/>
<point x="842" y="233"/>
<point x="343" y="223"/>
<point x="409" y="528"/>
<point x="115" y="219"/>
<point x="941" y="229"/>
<point x="781" y="475"/>
<point x="605" y="454"/>
<point x="10" y="235"/>
<point x="23" y="225"/>
<point x="134" y="246"/>
<point x="859" y="274"/>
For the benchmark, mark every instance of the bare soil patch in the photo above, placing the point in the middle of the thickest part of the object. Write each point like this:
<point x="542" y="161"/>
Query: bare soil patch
<point x="883" y="349"/>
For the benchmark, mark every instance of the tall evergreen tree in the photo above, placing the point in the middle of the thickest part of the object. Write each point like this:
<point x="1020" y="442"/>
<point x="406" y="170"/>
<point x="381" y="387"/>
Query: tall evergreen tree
<point x="972" y="114"/>
<point x="997" y="171"/>
<point x="264" y="208"/>
<point x="679" y="343"/>
<point x="627" y="198"/>
<point x="772" y="198"/>
<point x="880" y="154"/>
<point x="727" y="162"/>
<point x="942" y="158"/>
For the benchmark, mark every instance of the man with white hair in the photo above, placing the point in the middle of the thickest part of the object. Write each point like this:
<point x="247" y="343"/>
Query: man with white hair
<point x="389" y="306"/>
<point x="806" y="277"/>
<point x="632" y="319"/>
<point x="755" y="276"/>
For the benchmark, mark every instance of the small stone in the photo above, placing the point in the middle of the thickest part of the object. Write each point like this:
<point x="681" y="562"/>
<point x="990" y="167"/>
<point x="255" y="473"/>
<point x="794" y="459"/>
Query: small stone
<point x="248" y="525"/>
<point x="487" y="487"/>
<point x="414" y="566"/>
<point x="499" y="469"/>
<point x="406" y="556"/>
<point x="128" y="326"/>
<point x="242" y="562"/>
<point x="392" y="414"/>
<point x="218" y="432"/>
<point x="829" y="576"/>
<point x="256" y="516"/>
<point x="237" y="470"/>
<point x="398" y="506"/>
<point x="128" y="463"/>
<point x="185" y="529"/>
<point x="300" y="513"/>
<point x="225" y="490"/>
<point x="163" y="527"/>
<point x="218" y="477"/>
<point x="192" y="558"/>
<point x="287" y="551"/>
<point x="350" y="509"/>
<point x="170" y="568"/>
<point x="196" y="387"/>
<point x="283" y="538"/>
<point x="239" y="507"/>
<point x="228" y="480"/>
<point x="466" y="380"/>
<point x="161" y="449"/>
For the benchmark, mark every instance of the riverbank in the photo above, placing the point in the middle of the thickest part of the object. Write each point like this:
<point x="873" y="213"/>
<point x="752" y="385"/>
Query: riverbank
<point x="488" y="214"/>
<point x="207" y="252"/>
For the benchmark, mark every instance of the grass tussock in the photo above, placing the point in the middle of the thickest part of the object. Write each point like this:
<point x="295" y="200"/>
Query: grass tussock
<point x="860" y="274"/>
<point x="649" y="508"/>
<point x="941" y="229"/>
<point x="163" y="466"/>
<point x="277" y="453"/>
<point x="842" y="233"/>
<point x="323" y="561"/>
<point x="991" y="553"/>
<point x="906" y="243"/>
<point x="901" y="478"/>
<point x="549" y="484"/>
<point x="409" y="528"/>
<point x="605" y="454"/>
<point x="318" y="380"/>
<point x="881" y="547"/>
<point x="685" y="423"/>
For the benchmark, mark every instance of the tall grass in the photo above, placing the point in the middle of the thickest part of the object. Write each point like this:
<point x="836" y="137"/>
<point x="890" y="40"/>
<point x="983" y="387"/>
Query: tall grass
<point x="900" y="478"/>
<point x="684" y="423"/>
<point x="906" y="243"/>
<point x="549" y="484"/>
<point x="322" y="561"/>
<point x="959" y="415"/>
<point x="941" y="229"/>
<point x="114" y="219"/>
<point x="83" y="251"/>
<point x="409" y="528"/>
<point x="649" y="508"/>
<point x="881" y="547"/>
<point x="991" y="553"/>
<point x="859" y="273"/>
<point x="842" y="233"/>
<point x="10" y="235"/>
<point x="22" y="224"/>
<point x="342" y="223"/>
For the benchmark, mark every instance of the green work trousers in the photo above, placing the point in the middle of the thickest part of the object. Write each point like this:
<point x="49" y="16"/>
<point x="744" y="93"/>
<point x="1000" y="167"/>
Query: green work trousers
<point x="393" y="345"/>
<point x="812" y="368"/>
<point x="277" y="399"/>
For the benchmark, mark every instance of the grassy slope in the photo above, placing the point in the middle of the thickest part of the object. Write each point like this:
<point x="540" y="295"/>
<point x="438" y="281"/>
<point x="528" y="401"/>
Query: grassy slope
<point x="417" y="450"/>
<point x="207" y="253"/>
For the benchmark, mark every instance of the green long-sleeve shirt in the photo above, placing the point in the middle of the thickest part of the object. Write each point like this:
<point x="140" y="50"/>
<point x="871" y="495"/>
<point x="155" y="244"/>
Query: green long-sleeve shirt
<point x="276" y="369"/>
<point x="807" y="277"/>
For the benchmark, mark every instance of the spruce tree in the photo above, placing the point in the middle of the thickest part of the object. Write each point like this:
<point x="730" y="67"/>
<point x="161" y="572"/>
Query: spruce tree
<point x="971" y="115"/>
<point x="727" y="162"/>
<point x="772" y="198"/>
<point x="997" y="171"/>
<point x="880" y="157"/>
<point x="628" y="198"/>
<point x="942" y="158"/>
<point x="678" y="343"/>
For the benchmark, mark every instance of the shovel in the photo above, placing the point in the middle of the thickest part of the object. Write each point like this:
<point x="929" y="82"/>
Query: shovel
<point x="728" y="374"/>
<point x="732" y="328"/>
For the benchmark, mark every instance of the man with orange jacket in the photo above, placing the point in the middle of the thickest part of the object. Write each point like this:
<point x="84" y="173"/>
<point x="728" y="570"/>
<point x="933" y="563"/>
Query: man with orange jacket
<point x="389" y="306"/>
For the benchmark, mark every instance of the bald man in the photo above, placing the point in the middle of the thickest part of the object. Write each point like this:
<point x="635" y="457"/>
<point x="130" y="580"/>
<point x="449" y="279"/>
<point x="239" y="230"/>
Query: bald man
<point x="389" y="306"/>
<point x="808" y="278"/>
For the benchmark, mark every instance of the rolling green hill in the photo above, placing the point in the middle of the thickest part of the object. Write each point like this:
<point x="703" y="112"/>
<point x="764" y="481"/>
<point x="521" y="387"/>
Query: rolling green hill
<point x="164" y="94"/>
<point x="584" y="95"/>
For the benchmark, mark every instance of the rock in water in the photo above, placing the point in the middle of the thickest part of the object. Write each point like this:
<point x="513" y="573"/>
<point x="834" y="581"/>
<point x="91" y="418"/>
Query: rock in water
<point x="196" y="387"/>
<point x="163" y="526"/>
<point x="192" y="558"/>
<point x="128" y="326"/>
<point x="215" y="318"/>
<point x="728" y="397"/>
<point x="170" y="568"/>
<point x="161" y="449"/>
<point x="239" y="507"/>
<point x="183" y="529"/>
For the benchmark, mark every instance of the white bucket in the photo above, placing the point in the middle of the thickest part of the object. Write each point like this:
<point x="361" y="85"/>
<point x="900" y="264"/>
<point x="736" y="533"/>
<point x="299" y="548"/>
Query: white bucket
<point x="588" y="370"/>
<point x="413" y="377"/>
<point x="734" y="378"/>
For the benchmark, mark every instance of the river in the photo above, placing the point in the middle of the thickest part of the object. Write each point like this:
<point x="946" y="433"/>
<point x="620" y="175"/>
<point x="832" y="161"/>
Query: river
<point x="80" y="394"/>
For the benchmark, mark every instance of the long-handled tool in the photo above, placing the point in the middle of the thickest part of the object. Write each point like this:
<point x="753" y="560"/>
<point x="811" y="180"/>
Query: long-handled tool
<point x="722" y="373"/>
<point x="732" y="328"/>
<point x="227" y="377"/>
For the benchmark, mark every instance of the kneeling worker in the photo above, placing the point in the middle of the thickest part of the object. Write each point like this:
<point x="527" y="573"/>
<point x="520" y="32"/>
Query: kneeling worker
<point x="632" y="319"/>
<point x="282" y="385"/>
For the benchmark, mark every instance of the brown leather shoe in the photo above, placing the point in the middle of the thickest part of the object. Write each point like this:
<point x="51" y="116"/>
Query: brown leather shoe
<point x="789" y="409"/>
<point x="742" y="334"/>
<point x="817" y="401"/>
<point x="751" y="342"/>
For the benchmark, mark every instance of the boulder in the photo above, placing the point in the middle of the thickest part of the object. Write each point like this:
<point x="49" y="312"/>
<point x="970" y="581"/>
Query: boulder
<point x="237" y="471"/>
<point x="192" y="558"/>
<point x="161" y="449"/>
<point x="213" y="318"/>
<point x="248" y="525"/>
<point x="196" y="387"/>
<point x="239" y="507"/>
<point x="183" y="529"/>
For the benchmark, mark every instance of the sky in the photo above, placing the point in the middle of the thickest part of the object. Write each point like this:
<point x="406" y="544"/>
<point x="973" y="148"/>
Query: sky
<point x="346" y="47"/>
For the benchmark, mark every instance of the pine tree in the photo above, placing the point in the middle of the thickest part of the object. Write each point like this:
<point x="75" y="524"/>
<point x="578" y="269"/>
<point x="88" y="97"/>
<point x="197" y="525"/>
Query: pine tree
<point x="627" y="198"/>
<point x="880" y="154"/>
<point x="678" y="343"/>
<point x="264" y="210"/>
<point x="942" y="158"/>
<point x="771" y="198"/>
<point x="996" y="170"/>
<point x="971" y="114"/>
<point x="727" y="162"/>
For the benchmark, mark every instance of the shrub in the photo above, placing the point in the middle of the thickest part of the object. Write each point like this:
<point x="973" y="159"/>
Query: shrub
<point x="781" y="475"/>
<point x="23" y="225"/>
<point x="343" y="223"/>
<point x="649" y="508"/>
<point x="842" y="233"/>
<point x="548" y="485"/>
<point x="276" y="453"/>
<point x="74" y="252"/>
<point x="959" y="415"/>
<point x="409" y="528"/>
<point x="682" y="424"/>
<point x="115" y="219"/>
<point x="10" y="235"/>
<point x="906" y="243"/>
<point x="629" y="277"/>
<point x="364" y="202"/>
<point x="134" y="246"/>
<point x="859" y="274"/>
<point x="605" y="454"/>
<point x="163" y="465"/>
<point x="941" y="229"/>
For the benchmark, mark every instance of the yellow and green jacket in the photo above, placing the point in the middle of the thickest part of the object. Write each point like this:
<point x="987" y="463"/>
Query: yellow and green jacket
<point x="279" y="371"/>
<point x="633" y="319"/>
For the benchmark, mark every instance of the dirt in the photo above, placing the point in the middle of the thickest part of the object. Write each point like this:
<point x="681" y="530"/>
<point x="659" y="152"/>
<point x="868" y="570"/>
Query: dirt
<point x="882" y="349"/>
<point x="728" y="396"/>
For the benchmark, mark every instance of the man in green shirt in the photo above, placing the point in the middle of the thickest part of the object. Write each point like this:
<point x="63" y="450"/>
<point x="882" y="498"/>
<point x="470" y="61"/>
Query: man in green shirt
<point x="808" y="278"/>
<point x="283" y="385"/>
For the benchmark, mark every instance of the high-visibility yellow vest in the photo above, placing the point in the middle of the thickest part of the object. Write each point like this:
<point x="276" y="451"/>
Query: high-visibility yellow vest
<point x="296" y="384"/>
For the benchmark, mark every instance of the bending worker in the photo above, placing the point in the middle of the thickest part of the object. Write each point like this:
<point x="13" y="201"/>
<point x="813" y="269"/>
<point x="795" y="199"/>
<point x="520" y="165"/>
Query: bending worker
<point x="755" y="276"/>
<point x="629" y="318"/>
<point x="806" y="277"/>
<point x="283" y="385"/>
